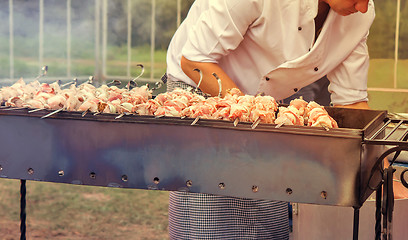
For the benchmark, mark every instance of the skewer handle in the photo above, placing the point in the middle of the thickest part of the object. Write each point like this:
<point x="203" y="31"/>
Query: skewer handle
<point x="195" y="120"/>
<point x="280" y="125"/>
<point x="219" y="84"/>
<point x="36" y="110"/>
<point x="201" y="79"/>
<point x="139" y="65"/>
<point x="256" y="123"/>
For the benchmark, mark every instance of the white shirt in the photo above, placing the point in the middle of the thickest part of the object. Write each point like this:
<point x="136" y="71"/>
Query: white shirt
<point x="267" y="46"/>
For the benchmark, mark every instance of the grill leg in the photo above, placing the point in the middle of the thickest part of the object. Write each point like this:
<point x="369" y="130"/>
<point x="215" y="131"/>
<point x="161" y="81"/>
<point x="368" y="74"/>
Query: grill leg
<point x="378" y="197"/>
<point x="356" y="222"/>
<point x="23" y="210"/>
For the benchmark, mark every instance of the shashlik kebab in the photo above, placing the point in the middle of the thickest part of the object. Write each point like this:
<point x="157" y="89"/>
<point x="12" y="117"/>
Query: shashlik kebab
<point x="178" y="103"/>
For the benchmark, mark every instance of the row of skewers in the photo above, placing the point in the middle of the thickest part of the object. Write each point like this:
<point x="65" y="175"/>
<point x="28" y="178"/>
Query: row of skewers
<point x="132" y="99"/>
<point x="178" y="103"/>
<point x="241" y="108"/>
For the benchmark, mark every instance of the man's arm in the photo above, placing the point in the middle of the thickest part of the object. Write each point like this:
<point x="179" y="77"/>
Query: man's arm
<point x="209" y="84"/>
<point x="359" y="105"/>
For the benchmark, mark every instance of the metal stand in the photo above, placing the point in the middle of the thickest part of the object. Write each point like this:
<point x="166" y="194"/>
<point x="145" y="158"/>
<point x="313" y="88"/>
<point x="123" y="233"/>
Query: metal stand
<point x="356" y="222"/>
<point x="378" y="214"/>
<point x="385" y="206"/>
<point x="23" y="209"/>
<point x="385" y="196"/>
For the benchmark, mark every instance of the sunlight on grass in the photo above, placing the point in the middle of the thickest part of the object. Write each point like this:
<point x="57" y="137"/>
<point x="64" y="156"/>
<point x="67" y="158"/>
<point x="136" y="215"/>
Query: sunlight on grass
<point x="86" y="211"/>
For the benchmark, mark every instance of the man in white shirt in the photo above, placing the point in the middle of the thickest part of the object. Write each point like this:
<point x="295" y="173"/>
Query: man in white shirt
<point x="271" y="47"/>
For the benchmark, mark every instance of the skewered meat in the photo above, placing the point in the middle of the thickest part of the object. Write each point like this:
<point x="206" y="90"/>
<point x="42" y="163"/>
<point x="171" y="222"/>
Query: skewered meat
<point x="234" y="106"/>
<point x="300" y="105"/>
<point x="56" y="102"/>
<point x="264" y="109"/>
<point x="317" y="116"/>
<point x="289" y="116"/>
<point x="15" y="102"/>
<point x="33" y="103"/>
<point x="169" y="111"/>
<point x="89" y="105"/>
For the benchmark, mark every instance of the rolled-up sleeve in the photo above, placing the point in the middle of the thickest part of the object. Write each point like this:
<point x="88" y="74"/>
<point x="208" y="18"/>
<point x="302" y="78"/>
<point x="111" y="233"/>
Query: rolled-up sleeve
<point x="220" y="29"/>
<point x="348" y="82"/>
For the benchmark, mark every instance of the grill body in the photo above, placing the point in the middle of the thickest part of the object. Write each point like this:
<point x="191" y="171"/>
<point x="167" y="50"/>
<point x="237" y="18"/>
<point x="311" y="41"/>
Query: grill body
<point x="294" y="164"/>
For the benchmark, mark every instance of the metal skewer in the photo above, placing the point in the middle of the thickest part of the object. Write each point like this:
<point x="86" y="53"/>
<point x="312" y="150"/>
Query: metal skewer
<point x="195" y="120"/>
<point x="280" y="125"/>
<point x="325" y="127"/>
<point x="139" y="65"/>
<point x="114" y="83"/>
<point x="120" y="115"/>
<point x="256" y="123"/>
<point x="91" y="79"/>
<point x="52" y="113"/>
<point x="219" y="84"/>
<point x="201" y="79"/>
<point x="123" y="113"/>
<point x="75" y="81"/>
<point x="36" y="110"/>
<point x="85" y="112"/>
<point x="132" y="83"/>
<point x="236" y="121"/>
<point x="44" y="70"/>
<point x="157" y="85"/>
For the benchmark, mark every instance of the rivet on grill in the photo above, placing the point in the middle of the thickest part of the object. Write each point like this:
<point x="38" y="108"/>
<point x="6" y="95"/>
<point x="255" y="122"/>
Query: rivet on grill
<point x="289" y="191"/>
<point x="221" y="185"/>
<point x="323" y="194"/>
<point x="30" y="171"/>
<point x="92" y="175"/>
<point x="61" y="173"/>
<point x="124" y="178"/>
<point x="255" y="188"/>
<point x="189" y="183"/>
<point x="1" y="168"/>
<point x="156" y="180"/>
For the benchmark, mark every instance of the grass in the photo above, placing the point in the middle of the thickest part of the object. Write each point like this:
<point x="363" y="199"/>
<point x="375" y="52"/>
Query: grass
<point x="64" y="211"/>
